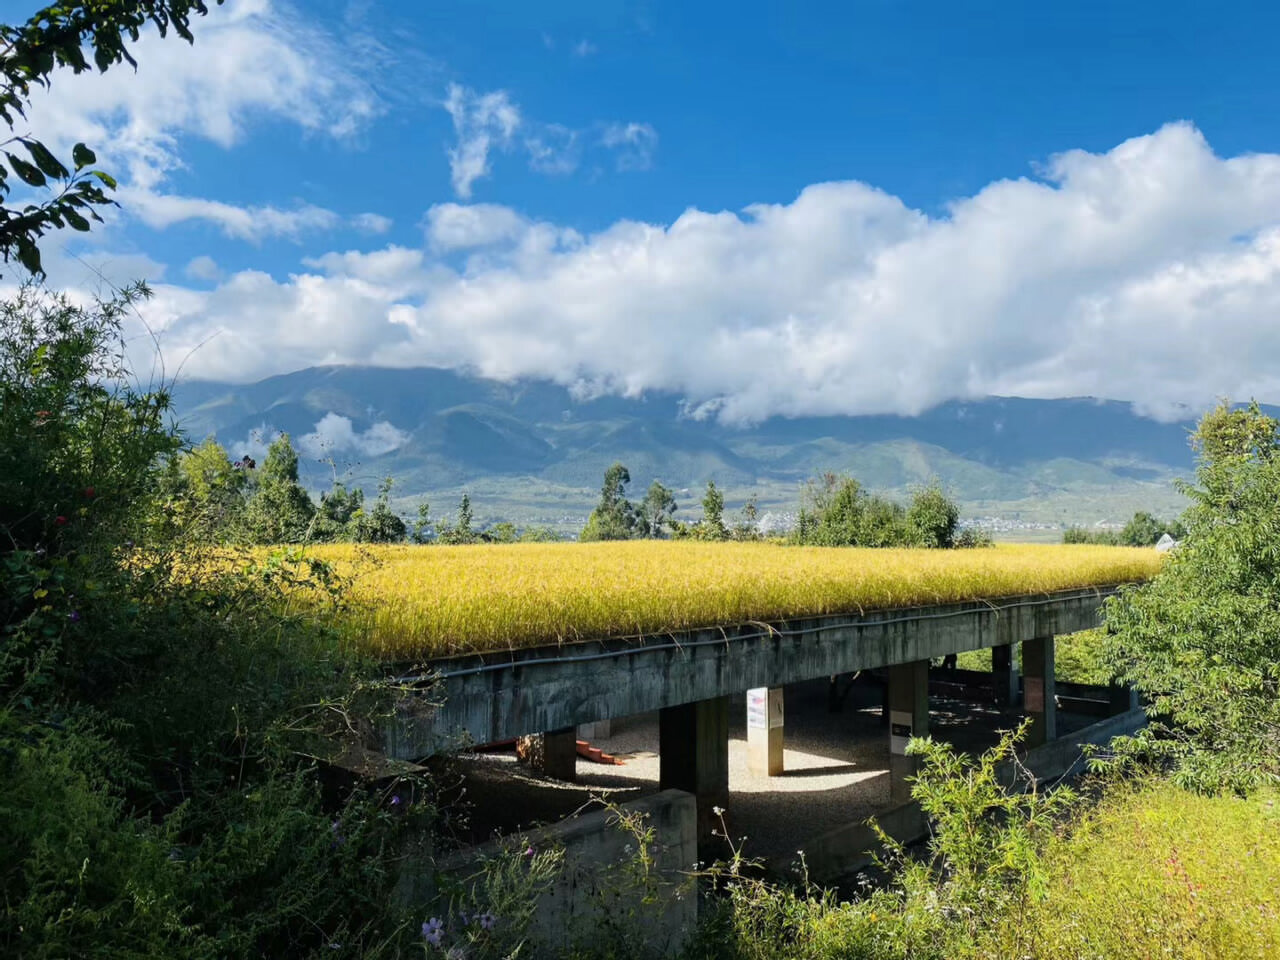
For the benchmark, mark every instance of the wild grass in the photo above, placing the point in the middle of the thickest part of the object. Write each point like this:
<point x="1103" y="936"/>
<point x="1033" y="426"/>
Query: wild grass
<point x="418" y="602"/>
<point x="1159" y="871"/>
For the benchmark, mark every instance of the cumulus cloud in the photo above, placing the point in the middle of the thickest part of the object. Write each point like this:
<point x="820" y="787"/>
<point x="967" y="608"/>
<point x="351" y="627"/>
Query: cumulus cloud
<point x="1149" y="272"/>
<point x="456" y="226"/>
<point x="334" y="435"/>
<point x="250" y="61"/>
<point x="203" y="267"/>
<point x="633" y="144"/>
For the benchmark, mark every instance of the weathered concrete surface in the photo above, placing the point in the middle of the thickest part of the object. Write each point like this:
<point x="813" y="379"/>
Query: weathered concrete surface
<point x="597" y="852"/>
<point x="490" y="697"/>
<point x="845" y="850"/>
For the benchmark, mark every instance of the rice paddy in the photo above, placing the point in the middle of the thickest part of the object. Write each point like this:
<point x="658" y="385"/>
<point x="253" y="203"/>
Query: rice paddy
<point x="420" y="602"/>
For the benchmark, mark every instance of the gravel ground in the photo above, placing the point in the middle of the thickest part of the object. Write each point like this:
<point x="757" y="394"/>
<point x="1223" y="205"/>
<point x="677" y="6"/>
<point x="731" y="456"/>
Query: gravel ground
<point x="836" y="770"/>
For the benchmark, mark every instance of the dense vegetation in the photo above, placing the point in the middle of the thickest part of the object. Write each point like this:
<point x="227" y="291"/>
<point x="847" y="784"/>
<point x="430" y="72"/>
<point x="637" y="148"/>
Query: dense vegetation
<point x="166" y="708"/>
<point x="1143" y="530"/>
<point x="156" y="730"/>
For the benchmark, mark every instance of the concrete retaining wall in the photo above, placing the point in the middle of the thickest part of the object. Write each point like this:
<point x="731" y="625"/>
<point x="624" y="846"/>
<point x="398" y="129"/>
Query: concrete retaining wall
<point x="600" y="881"/>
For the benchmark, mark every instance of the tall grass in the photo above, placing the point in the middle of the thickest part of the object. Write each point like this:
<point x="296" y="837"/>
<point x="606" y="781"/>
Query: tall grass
<point x="411" y="601"/>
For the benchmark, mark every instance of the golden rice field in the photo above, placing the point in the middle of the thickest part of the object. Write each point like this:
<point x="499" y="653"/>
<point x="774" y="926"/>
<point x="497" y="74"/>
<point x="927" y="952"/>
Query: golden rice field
<point x="414" y="601"/>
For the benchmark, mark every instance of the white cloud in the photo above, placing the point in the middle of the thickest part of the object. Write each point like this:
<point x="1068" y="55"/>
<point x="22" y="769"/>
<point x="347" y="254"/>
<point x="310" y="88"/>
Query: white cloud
<point x="553" y="149"/>
<point x="456" y="226"/>
<point x="334" y="434"/>
<point x="482" y="122"/>
<point x="1150" y="272"/>
<point x="244" y="223"/>
<point x="250" y="62"/>
<point x="203" y="268"/>
<point x="584" y="48"/>
<point x="633" y="143"/>
<point x="372" y="223"/>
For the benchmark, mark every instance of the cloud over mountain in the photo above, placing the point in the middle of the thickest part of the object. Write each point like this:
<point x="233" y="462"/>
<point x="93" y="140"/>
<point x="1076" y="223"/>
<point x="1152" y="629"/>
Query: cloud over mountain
<point x="1148" y="272"/>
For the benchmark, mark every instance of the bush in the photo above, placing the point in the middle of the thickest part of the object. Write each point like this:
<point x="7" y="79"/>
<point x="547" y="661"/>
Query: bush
<point x="1202" y="639"/>
<point x="159" y="706"/>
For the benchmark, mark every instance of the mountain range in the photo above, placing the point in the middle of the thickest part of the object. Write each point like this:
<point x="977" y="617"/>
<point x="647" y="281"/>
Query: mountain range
<point x="534" y="451"/>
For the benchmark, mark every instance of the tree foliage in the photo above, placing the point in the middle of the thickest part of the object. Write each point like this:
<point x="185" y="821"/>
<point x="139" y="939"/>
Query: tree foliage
<point x="614" y="517"/>
<point x="656" y="511"/>
<point x="92" y="34"/>
<point x="835" y="511"/>
<point x="1202" y="640"/>
<point x="1143" y="530"/>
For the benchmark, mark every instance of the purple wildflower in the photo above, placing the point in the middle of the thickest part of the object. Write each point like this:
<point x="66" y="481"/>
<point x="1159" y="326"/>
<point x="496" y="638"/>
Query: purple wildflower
<point x="74" y="616"/>
<point x="335" y="828"/>
<point x="486" y="921"/>
<point x="395" y="800"/>
<point x="433" y="931"/>
<point x="528" y="851"/>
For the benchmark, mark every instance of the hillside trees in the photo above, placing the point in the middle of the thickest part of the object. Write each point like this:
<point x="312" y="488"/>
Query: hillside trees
<point x="1202" y="640"/>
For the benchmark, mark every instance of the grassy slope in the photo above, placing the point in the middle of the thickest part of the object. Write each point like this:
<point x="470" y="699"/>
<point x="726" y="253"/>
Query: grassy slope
<point x="1159" y="872"/>
<point x="435" y="601"/>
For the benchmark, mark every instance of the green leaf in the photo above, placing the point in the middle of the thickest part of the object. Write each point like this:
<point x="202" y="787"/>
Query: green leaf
<point x="46" y="161"/>
<point x="29" y="256"/>
<point x="26" y="171"/>
<point x="77" y="222"/>
<point x="82" y="156"/>
<point x="106" y="178"/>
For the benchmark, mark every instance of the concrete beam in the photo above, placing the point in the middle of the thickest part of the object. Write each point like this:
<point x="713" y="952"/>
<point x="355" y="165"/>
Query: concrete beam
<point x="908" y="717"/>
<point x="1038" y="690"/>
<point x="485" y="698"/>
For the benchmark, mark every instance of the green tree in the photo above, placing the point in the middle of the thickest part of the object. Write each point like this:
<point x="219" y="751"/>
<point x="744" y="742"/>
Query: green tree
<point x="334" y="520"/>
<point x="91" y="34"/>
<point x="933" y="517"/>
<point x="462" y="532"/>
<point x="1202" y="640"/>
<point x="379" y="525"/>
<point x="711" y="526"/>
<point x="656" y="510"/>
<point x="422" y="525"/>
<point x="280" y="510"/>
<point x="747" y="527"/>
<point x="204" y="494"/>
<point x="614" y="518"/>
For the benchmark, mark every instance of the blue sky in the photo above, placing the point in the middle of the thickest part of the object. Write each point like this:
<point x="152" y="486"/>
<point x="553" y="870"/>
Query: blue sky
<point x="312" y="171"/>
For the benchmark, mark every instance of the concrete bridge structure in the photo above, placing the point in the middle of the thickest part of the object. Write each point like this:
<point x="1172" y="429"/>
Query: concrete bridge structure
<point x="688" y="678"/>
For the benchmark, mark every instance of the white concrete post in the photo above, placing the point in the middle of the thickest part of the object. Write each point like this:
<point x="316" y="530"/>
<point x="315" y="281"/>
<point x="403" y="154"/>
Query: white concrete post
<point x="764" y="731"/>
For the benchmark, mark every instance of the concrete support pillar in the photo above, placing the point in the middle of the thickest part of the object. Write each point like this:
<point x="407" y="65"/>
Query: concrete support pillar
<point x="597" y="730"/>
<point x="554" y="754"/>
<point x="1004" y="674"/>
<point x="1038" y="690"/>
<point x="764" y="731"/>
<point x="908" y="697"/>
<point x="1123" y="698"/>
<point x="693" y="755"/>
